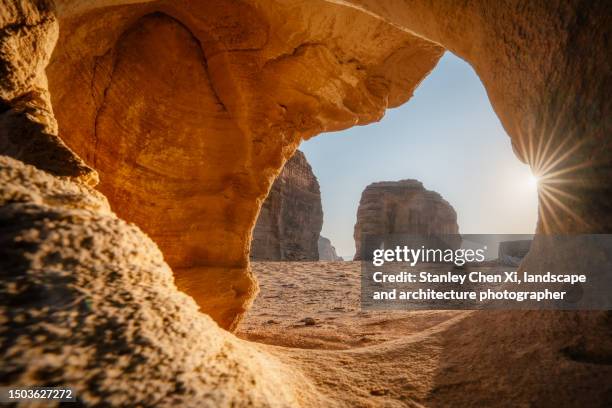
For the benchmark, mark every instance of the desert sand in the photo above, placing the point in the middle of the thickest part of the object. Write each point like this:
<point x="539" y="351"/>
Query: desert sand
<point x="387" y="358"/>
<point x="315" y="305"/>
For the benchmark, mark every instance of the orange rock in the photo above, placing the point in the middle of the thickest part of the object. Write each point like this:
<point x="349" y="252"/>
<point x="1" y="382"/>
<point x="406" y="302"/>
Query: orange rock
<point x="189" y="110"/>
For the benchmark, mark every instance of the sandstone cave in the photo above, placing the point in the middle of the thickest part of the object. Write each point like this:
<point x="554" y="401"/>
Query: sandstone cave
<point x="133" y="128"/>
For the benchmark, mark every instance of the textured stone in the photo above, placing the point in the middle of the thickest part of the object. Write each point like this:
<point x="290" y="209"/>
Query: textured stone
<point x="327" y="252"/>
<point x="291" y="218"/>
<point x="28" y="130"/>
<point x="402" y="207"/>
<point x="199" y="104"/>
<point x="87" y="301"/>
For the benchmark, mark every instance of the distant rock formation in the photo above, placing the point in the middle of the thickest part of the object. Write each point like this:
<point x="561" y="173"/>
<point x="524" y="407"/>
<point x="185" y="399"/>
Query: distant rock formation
<point x="327" y="252"/>
<point x="291" y="218"/>
<point x="402" y="207"/>
<point x="512" y="252"/>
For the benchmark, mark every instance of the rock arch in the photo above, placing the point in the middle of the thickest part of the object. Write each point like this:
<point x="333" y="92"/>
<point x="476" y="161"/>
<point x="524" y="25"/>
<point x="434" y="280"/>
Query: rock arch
<point x="265" y="94"/>
<point x="204" y="103"/>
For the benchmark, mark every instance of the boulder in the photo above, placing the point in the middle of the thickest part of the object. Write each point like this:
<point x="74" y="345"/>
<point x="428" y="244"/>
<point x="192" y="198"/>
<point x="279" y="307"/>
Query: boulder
<point x="87" y="301"/>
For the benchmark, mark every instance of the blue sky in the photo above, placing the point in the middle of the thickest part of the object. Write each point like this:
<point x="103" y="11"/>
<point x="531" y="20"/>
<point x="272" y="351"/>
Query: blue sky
<point x="448" y="137"/>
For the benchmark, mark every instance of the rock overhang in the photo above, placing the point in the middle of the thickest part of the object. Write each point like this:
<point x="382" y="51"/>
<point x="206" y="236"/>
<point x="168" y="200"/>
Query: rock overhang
<point x="188" y="110"/>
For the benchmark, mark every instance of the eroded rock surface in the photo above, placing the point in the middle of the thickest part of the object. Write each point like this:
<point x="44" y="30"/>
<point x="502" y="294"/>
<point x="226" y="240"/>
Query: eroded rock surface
<point x="199" y="104"/>
<point x="291" y="218"/>
<point x="87" y="301"/>
<point x="327" y="252"/>
<point x="402" y="207"/>
<point x="28" y="129"/>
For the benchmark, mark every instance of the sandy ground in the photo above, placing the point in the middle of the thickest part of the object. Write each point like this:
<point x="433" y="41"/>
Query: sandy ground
<point x="352" y="358"/>
<point x="294" y="295"/>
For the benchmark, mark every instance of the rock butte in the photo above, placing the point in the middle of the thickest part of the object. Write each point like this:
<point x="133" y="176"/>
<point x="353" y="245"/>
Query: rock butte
<point x="401" y="207"/>
<point x="327" y="252"/>
<point x="186" y="111"/>
<point x="290" y="220"/>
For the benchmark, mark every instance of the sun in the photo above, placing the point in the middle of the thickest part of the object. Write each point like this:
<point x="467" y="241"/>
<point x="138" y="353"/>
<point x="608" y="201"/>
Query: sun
<point x="533" y="181"/>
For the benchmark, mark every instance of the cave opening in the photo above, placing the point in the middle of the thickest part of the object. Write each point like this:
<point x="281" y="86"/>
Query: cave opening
<point x="446" y="137"/>
<point x="208" y="146"/>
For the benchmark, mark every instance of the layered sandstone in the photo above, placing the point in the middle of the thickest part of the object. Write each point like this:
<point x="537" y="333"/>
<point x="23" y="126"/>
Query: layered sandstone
<point x="327" y="252"/>
<point x="402" y="207"/>
<point x="291" y="218"/>
<point x="199" y="105"/>
<point x="28" y="129"/>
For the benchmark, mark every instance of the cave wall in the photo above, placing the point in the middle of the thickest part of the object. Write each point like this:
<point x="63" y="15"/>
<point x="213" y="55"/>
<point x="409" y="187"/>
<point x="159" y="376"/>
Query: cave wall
<point x="199" y="105"/>
<point x="28" y="129"/>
